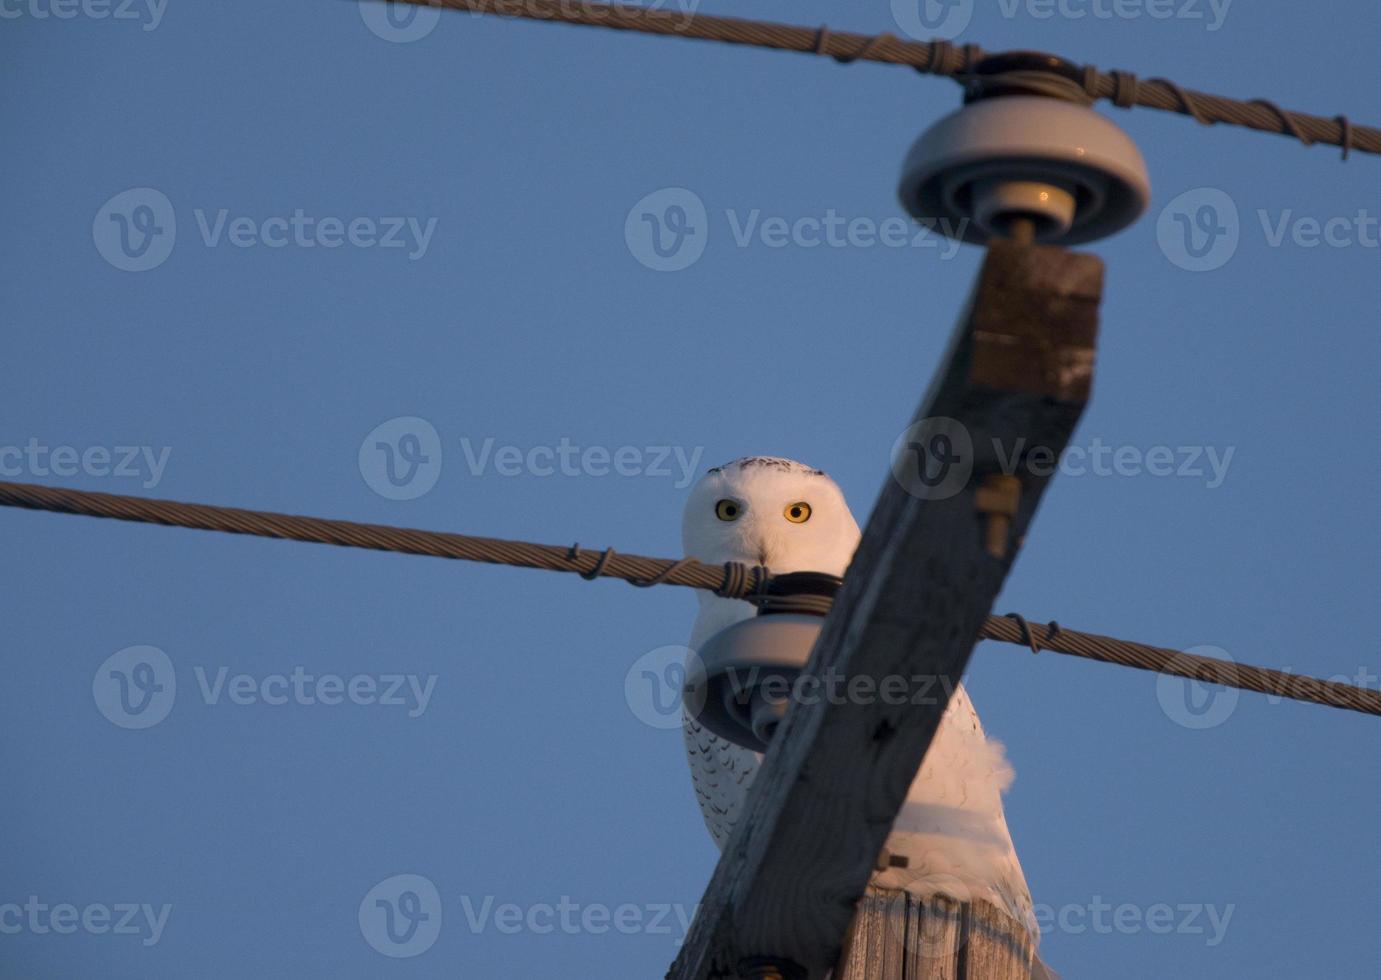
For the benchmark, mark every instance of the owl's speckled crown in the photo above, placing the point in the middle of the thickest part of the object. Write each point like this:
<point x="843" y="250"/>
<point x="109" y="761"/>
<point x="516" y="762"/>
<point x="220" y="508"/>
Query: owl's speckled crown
<point x="771" y="462"/>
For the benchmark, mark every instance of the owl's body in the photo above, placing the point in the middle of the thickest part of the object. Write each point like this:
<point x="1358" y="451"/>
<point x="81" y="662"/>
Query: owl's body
<point x="951" y="828"/>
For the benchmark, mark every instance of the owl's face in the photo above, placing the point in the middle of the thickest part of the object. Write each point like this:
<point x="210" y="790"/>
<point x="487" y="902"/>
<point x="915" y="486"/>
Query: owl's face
<point x="762" y="510"/>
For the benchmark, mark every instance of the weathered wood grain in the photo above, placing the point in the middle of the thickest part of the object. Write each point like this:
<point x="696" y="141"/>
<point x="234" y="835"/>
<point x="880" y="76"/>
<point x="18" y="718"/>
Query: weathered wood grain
<point x="896" y="936"/>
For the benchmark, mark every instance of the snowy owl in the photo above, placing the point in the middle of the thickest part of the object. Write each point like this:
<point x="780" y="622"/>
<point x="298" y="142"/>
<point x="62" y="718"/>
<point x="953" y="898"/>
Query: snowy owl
<point x="951" y="829"/>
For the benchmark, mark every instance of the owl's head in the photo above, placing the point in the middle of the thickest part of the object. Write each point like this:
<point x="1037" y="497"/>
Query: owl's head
<point x="762" y="510"/>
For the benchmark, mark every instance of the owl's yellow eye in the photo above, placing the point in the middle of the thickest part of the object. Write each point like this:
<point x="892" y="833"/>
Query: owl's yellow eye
<point x="727" y="510"/>
<point x="797" y="513"/>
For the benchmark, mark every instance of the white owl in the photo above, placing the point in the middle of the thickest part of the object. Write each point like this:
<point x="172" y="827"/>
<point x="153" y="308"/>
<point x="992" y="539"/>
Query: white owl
<point x="792" y="518"/>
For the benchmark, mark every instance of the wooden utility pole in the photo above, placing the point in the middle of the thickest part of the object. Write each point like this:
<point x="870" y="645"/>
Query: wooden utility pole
<point x="1015" y="379"/>
<point x="896" y="936"/>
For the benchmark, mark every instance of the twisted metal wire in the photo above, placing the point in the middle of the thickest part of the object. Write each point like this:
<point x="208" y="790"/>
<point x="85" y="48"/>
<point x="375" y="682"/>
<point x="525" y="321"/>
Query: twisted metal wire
<point x="732" y="580"/>
<point x="1122" y="88"/>
<point x="739" y="582"/>
<point x="1161" y="660"/>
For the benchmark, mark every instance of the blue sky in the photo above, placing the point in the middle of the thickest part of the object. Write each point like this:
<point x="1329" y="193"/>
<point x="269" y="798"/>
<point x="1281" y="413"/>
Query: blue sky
<point x="515" y="769"/>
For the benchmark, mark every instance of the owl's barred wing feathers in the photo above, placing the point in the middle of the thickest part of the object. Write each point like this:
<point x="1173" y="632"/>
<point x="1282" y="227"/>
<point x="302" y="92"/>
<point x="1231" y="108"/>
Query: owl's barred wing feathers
<point x="721" y="772"/>
<point x="951" y="828"/>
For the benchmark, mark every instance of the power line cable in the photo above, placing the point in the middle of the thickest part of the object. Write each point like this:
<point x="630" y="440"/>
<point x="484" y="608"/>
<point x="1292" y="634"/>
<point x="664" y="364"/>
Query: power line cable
<point x="732" y="579"/>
